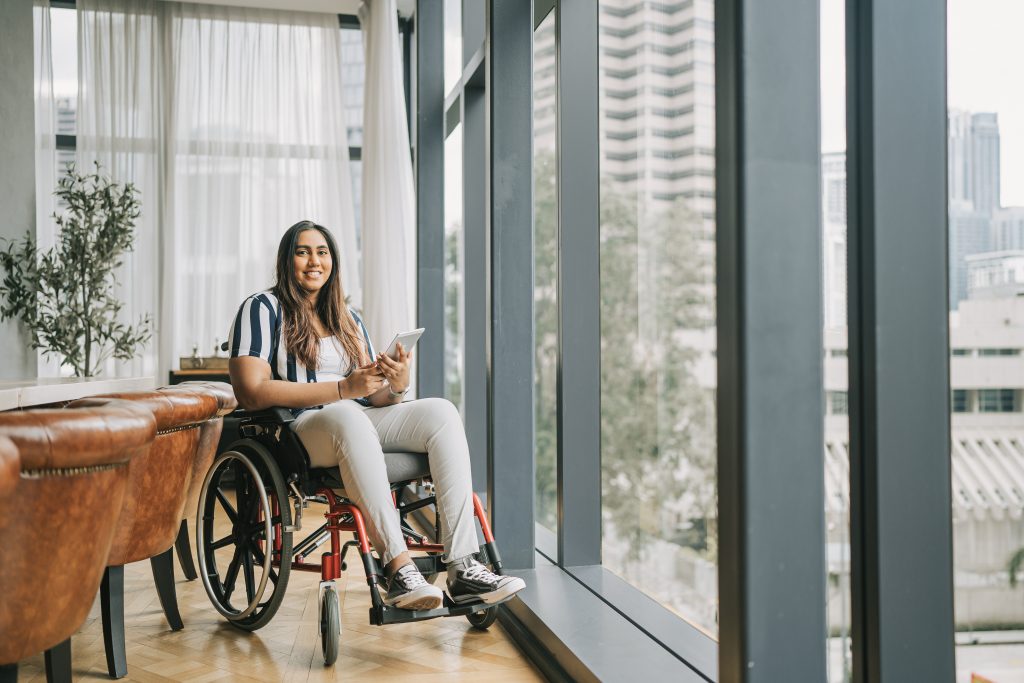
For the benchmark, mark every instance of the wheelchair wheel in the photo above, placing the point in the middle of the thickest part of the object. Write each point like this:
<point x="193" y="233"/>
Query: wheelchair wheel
<point x="484" y="618"/>
<point x="330" y="625"/>
<point x="237" y="566"/>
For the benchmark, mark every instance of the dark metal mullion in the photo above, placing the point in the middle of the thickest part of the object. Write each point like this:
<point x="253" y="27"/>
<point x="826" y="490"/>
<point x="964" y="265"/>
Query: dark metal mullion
<point x="901" y="528"/>
<point x="429" y="164"/>
<point x="474" y="282"/>
<point x="511" y="479"/>
<point x="406" y="27"/>
<point x="769" y="322"/>
<point x="579" y="285"/>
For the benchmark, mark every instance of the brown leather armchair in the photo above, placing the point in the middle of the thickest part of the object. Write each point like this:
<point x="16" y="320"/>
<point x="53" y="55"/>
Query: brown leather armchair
<point x="63" y="474"/>
<point x="151" y="513"/>
<point x="209" y="438"/>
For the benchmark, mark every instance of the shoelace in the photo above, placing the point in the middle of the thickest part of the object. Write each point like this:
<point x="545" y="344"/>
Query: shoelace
<point x="478" y="572"/>
<point x="411" y="578"/>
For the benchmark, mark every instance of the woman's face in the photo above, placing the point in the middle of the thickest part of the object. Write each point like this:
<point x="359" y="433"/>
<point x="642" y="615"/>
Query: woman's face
<point x="311" y="261"/>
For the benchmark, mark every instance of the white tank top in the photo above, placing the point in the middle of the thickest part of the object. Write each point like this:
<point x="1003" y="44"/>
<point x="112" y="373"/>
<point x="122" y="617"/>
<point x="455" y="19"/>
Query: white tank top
<point x="332" y="363"/>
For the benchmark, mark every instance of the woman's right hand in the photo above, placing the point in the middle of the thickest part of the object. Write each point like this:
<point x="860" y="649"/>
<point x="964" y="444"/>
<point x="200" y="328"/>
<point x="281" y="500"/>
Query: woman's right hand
<point x="362" y="382"/>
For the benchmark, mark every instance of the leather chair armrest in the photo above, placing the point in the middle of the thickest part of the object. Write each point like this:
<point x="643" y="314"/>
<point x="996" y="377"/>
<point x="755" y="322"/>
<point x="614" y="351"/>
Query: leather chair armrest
<point x="99" y="432"/>
<point x="10" y="465"/>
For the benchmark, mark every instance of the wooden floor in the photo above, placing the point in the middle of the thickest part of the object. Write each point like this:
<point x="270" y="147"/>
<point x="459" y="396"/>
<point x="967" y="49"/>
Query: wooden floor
<point x="288" y="649"/>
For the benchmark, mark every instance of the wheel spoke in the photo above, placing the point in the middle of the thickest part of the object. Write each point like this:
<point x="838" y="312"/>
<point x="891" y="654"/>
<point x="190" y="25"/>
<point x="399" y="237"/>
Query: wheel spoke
<point x="226" y="504"/>
<point x="231" y="575"/>
<point x="247" y="572"/>
<point x="222" y="543"/>
<point x="260" y="559"/>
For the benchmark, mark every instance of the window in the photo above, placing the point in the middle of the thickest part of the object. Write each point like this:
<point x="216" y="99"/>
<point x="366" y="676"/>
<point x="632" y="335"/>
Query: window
<point x="998" y="352"/>
<point x="984" y="180"/>
<point x="658" y="369"/>
<point x="545" y="301"/>
<point x="996" y="400"/>
<point x="837" y="428"/>
<point x="64" y="56"/>
<point x="839" y="403"/>
<point x="961" y="401"/>
<point x="454" y="268"/>
<point x="452" y="43"/>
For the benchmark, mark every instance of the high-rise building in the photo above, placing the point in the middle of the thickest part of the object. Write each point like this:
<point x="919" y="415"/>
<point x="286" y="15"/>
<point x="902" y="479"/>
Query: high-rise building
<point x="974" y="189"/>
<point x="973" y="147"/>
<point x="969" y="234"/>
<point x="985" y="161"/>
<point x="1008" y="228"/>
<point x="657" y="100"/>
<point x="833" y="211"/>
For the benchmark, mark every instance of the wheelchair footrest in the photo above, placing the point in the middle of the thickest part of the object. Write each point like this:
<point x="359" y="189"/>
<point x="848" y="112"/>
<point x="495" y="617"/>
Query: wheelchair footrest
<point x="395" y="615"/>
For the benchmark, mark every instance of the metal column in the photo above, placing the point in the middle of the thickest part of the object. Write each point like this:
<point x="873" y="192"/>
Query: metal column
<point x="770" y="387"/>
<point x="901" y="528"/>
<point x="430" y="196"/>
<point x="579" y="285"/>
<point x="510" y="212"/>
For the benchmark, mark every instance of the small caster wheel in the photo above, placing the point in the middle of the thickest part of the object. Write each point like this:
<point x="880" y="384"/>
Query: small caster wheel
<point x="330" y="625"/>
<point x="483" y="619"/>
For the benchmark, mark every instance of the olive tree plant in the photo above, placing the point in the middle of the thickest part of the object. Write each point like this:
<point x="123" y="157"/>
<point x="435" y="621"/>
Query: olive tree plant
<point x="64" y="295"/>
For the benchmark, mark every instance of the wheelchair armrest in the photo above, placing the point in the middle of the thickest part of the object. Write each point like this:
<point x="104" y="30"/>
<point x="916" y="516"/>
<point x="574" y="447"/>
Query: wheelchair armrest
<point x="274" y="415"/>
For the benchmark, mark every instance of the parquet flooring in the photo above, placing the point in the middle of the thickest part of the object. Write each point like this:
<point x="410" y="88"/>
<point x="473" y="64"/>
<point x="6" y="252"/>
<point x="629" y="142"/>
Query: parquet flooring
<point x="287" y="649"/>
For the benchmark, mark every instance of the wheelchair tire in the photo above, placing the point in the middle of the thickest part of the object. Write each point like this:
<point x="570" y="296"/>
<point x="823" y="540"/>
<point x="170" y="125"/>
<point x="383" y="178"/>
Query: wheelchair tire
<point x="257" y="483"/>
<point x="330" y="625"/>
<point x="483" y="619"/>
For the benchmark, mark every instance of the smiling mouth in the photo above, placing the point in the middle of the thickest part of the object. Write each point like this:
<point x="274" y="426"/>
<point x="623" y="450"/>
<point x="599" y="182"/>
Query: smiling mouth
<point x="314" y="273"/>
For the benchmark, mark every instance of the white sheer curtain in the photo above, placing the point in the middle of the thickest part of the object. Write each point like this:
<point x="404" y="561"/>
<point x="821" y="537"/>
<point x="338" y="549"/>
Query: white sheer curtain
<point x="230" y="122"/>
<point x="46" y="148"/>
<point x="388" y="201"/>
<point x="259" y="143"/>
<point x="121" y="126"/>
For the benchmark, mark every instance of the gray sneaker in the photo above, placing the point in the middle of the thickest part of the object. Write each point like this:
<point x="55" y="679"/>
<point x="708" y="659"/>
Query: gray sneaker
<point x="473" y="581"/>
<point x="408" y="589"/>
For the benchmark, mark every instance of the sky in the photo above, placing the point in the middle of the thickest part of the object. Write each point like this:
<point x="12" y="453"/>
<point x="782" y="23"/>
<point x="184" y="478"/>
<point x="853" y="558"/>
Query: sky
<point x="984" y="61"/>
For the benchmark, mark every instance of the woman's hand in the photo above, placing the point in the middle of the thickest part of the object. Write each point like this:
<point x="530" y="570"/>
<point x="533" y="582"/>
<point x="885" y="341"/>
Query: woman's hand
<point x="396" y="371"/>
<point x="361" y="382"/>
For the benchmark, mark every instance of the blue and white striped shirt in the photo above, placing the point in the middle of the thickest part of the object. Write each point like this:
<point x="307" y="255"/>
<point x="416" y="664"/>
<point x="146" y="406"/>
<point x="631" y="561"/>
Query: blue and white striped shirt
<point x="258" y="331"/>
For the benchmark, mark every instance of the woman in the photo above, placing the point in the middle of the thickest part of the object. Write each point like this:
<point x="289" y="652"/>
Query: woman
<point x="299" y="346"/>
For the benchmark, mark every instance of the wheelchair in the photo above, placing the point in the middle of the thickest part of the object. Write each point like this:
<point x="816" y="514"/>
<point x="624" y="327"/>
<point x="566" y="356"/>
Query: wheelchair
<point x="269" y="472"/>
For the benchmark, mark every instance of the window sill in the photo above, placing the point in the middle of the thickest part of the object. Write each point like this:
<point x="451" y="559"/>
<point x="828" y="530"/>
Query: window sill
<point x="565" y="622"/>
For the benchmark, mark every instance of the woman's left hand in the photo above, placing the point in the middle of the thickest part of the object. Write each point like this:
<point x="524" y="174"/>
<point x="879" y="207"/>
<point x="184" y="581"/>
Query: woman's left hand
<point x="396" y="371"/>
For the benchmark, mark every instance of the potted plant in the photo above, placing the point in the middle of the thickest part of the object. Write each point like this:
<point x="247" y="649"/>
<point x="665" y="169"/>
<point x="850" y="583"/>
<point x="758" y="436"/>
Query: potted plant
<point x="64" y="295"/>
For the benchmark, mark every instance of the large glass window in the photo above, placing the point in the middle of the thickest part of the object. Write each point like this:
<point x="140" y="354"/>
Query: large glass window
<point x="986" y="204"/>
<point x="545" y="222"/>
<point x="64" y="60"/>
<point x="658" y="367"/>
<point x="837" y="429"/>
<point x="452" y="43"/>
<point x="454" y="329"/>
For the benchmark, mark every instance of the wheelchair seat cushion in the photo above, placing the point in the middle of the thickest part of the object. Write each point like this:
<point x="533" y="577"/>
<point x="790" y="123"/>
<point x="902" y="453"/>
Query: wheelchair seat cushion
<point x="401" y="466"/>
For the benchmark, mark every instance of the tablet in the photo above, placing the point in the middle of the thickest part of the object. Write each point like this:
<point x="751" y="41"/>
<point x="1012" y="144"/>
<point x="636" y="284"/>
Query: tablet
<point x="408" y="340"/>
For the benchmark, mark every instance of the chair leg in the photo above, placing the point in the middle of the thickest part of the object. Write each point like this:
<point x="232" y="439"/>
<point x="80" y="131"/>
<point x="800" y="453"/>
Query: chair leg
<point x="184" y="548"/>
<point x="163" y="575"/>
<point x="58" y="663"/>
<point x="112" y="607"/>
<point x="9" y="673"/>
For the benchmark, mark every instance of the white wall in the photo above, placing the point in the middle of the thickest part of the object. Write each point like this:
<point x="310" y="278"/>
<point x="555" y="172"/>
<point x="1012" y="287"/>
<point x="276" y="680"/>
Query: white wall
<point x="17" y="171"/>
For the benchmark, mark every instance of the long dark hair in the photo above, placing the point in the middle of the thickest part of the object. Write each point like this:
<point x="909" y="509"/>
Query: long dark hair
<point x="330" y="309"/>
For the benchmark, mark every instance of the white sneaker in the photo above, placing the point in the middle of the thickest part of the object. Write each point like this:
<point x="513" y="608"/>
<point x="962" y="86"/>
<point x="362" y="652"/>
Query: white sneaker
<point x="408" y="589"/>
